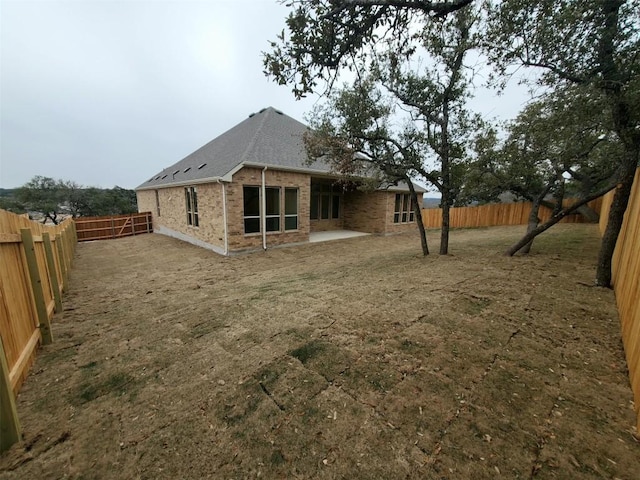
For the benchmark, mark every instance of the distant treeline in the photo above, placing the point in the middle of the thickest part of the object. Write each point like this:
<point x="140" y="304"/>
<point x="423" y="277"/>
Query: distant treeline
<point x="45" y="198"/>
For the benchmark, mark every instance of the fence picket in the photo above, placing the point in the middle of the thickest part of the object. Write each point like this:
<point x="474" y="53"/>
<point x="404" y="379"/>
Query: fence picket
<point x="115" y="226"/>
<point x="29" y="294"/>
<point x="10" y="430"/>
<point x="36" y="286"/>
<point x="626" y="284"/>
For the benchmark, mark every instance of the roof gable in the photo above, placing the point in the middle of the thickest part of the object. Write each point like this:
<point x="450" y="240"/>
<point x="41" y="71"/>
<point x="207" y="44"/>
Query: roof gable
<point x="268" y="137"/>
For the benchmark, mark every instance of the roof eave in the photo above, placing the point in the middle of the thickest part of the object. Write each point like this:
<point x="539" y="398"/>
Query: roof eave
<point x="280" y="167"/>
<point x="183" y="183"/>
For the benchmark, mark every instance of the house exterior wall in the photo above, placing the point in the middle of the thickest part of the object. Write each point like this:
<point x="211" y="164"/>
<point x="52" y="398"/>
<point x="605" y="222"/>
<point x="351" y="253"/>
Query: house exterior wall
<point x="238" y="240"/>
<point x="365" y="211"/>
<point x="146" y="203"/>
<point x="171" y="219"/>
<point x="390" y="210"/>
<point x="373" y="212"/>
<point x="327" y="224"/>
<point x="370" y="212"/>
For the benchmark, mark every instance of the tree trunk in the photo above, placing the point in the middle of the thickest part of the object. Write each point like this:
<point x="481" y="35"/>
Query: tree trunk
<point x="534" y="220"/>
<point x="585" y="210"/>
<point x="614" y="224"/>
<point x="555" y="219"/>
<point x="446" y="180"/>
<point x="418" y="217"/>
<point x="533" y="223"/>
<point x="444" y="232"/>
<point x="589" y="213"/>
<point x="622" y="107"/>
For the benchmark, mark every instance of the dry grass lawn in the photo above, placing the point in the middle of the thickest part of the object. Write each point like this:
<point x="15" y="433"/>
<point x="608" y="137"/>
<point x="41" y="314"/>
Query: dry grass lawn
<point x="349" y="359"/>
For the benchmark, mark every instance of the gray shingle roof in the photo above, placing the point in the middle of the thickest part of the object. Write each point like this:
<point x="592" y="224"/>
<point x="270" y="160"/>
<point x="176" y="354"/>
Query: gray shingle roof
<point x="267" y="138"/>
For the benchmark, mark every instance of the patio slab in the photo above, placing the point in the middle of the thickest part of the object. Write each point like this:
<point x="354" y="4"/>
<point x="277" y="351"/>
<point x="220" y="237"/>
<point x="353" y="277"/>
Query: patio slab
<point x="334" y="235"/>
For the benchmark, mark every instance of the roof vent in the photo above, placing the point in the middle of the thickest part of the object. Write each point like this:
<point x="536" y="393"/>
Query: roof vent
<point x="163" y="177"/>
<point x="279" y="112"/>
<point x="252" y="114"/>
<point x="262" y="110"/>
<point x="186" y="170"/>
<point x="203" y="165"/>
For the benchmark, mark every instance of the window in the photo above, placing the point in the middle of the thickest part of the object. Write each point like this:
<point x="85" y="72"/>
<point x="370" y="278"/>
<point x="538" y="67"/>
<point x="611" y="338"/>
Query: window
<point x="251" y="197"/>
<point x="273" y="209"/>
<point x="274" y="213"/>
<point x="335" y="206"/>
<point x="290" y="208"/>
<point x="315" y="201"/>
<point x="157" y="203"/>
<point x="325" y="201"/>
<point x="191" y="201"/>
<point x="404" y="209"/>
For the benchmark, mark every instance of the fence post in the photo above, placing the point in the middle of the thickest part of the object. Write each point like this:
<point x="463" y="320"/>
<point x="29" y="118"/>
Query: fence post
<point x="52" y="271"/>
<point x="9" y="423"/>
<point x="36" y="285"/>
<point x="68" y="249"/>
<point x="74" y="234"/>
<point x="113" y="228"/>
<point x="61" y="261"/>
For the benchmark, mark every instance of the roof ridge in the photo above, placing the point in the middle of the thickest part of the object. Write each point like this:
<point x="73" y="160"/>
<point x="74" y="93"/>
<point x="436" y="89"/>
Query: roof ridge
<point x="253" y="141"/>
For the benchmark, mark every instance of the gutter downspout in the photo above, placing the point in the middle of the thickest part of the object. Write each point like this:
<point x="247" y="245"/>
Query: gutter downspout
<point x="263" y="212"/>
<point x="224" y="217"/>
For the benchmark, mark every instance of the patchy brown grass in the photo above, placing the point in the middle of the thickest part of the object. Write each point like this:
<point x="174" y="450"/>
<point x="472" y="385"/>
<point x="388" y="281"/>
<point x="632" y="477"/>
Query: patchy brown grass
<point x="349" y="359"/>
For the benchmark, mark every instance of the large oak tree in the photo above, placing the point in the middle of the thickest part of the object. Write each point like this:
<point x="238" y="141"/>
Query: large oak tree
<point x="594" y="43"/>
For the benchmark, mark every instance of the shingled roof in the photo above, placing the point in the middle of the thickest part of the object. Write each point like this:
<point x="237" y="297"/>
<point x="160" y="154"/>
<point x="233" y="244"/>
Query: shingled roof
<point x="267" y="138"/>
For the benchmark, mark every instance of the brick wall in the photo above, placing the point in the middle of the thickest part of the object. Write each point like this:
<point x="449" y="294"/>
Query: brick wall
<point x="365" y="211"/>
<point x="173" y="212"/>
<point x="326" y="225"/>
<point x="390" y="210"/>
<point x="273" y="178"/>
<point x="370" y="212"/>
<point x="147" y="203"/>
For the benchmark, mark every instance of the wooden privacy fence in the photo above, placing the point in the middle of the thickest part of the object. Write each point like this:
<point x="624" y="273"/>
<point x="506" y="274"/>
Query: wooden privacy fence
<point x="496" y="214"/>
<point x="626" y="283"/>
<point x="115" y="226"/>
<point x="34" y="263"/>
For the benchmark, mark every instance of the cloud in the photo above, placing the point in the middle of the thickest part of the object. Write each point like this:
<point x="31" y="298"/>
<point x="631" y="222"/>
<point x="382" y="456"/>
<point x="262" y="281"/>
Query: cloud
<point x="108" y="93"/>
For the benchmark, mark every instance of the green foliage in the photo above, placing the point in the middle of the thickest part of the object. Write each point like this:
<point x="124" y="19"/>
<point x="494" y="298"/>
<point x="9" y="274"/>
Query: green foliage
<point x="557" y="143"/>
<point x="323" y="36"/>
<point x="405" y="116"/>
<point x="53" y="198"/>
<point x="44" y="195"/>
<point x="592" y="45"/>
<point x="9" y="202"/>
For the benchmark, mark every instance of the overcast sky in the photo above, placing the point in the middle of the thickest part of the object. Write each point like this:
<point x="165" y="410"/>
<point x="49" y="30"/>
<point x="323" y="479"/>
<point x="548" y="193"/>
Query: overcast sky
<point x="108" y="93"/>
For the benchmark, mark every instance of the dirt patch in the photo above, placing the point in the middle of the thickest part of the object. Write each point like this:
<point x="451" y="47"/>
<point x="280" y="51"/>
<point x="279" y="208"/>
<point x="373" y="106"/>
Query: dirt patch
<point x="356" y="358"/>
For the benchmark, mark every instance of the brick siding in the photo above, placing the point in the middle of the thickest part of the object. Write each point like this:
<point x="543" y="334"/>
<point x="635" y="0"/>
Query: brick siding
<point x="273" y="178"/>
<point x="370" y="212"/>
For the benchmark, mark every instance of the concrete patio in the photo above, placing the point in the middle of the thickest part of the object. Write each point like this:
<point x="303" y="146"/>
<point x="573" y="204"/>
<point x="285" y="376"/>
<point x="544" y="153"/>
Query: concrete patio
<point x="334" y="235"/>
